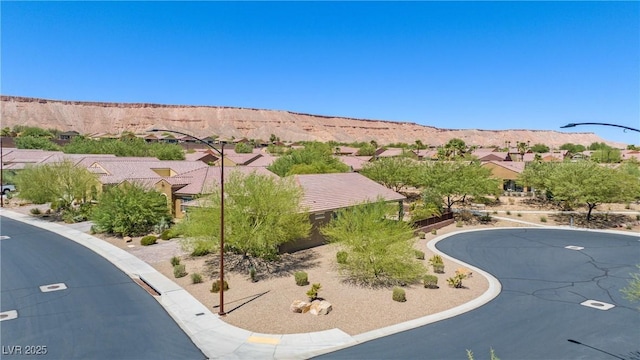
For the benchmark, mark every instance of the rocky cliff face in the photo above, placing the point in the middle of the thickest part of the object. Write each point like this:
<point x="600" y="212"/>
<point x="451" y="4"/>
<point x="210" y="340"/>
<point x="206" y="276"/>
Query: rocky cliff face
<point x="94" y="117"/>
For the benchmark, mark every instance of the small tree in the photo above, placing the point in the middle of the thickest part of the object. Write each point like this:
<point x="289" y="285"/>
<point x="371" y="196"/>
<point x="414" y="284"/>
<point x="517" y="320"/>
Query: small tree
<point x="590" y="183"/>
<point x="394" y="173"/>
<point x="59" y="183"/>
<point x="35" y="142"/>
<point x="130" y="210"/>
<point x="380" y="251"/>
<point x="243" y="148"/>
<point x="261" y="212"/>
<point x="456" y="180"/>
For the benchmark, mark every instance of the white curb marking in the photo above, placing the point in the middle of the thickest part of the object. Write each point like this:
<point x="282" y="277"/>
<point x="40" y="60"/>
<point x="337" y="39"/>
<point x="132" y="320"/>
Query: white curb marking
<point x="573" y="247"/>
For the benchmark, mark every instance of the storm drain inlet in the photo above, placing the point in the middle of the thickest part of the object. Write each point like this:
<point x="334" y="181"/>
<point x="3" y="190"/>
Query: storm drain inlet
<point x="8" y="315"/>
<point x="597" y="304"/>
<point x="53" y="287"/>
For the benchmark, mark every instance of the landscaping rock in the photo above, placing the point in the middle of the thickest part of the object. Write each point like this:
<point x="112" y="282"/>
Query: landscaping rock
<point x="127" y="239"/>
<point x="320" y="307"/>
<point x="299" y="306"/>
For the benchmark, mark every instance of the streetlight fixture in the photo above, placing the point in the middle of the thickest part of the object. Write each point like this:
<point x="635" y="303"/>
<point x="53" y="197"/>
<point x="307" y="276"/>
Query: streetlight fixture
<point x="221" y="153"/>
<point x="597" y="123"/>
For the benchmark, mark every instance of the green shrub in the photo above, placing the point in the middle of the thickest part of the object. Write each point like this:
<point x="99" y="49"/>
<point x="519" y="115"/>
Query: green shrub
<point x="196" y="278"/>
<point x="519" y="214"/>
<point x="301" y="277"/>
<point x="130" y="210"/>
<point x="166" y="234"/>
<point x="148" y="240"/>
<point x="35" y="211"/>
<point x="253" y="274"/>
<point x="179" y="271"/>
<point x="543" y="219"/>
<point x="434" y="232"/>
<point x="508" y="212"/>
<point x="458" y="223"/>
<point x="637" y="217"/>
<point x="399" y="295"/>
<point x="437" y="263"/>
<point x="422" y="235"/>
<point x="629" y="227"/>
<point x="430" y="281"/>
<point x="341" y="257"/>
<point x="486" y="218"/>
<point x="175" y="261"/>
<point x="215" y="287"/>
<point x="313" y="292"/>
<point x="419" y="254"/>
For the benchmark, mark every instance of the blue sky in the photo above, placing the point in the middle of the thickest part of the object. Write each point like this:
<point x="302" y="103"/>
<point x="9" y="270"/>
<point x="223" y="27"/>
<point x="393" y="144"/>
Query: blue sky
<point x="486" y="65"/>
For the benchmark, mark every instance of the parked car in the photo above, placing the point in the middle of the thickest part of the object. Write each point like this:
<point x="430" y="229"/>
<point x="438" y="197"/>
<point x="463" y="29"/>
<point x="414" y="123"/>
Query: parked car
<point x="8" y="188"/>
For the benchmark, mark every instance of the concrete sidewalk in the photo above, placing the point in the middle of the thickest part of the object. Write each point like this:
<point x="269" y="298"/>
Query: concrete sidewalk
<point x="220" y="340"/>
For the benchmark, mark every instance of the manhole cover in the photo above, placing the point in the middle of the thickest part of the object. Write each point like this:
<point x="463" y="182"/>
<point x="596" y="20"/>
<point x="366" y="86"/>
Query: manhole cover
<point x="8" y="315"/>
<point x="573" y="247"/>
<point x="597" y="304"/>
<point x="53" y="287"/>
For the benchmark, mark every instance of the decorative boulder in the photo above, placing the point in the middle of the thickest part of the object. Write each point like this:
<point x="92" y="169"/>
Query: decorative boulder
<point x="299" y="306"/>
<point x="320" y="307"/>
<point x="127" y="239"/>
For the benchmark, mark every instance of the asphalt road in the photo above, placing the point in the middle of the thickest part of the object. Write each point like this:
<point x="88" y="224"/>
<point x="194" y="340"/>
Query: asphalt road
<point x="539" y="309"/>
<point x="102" y="314"/>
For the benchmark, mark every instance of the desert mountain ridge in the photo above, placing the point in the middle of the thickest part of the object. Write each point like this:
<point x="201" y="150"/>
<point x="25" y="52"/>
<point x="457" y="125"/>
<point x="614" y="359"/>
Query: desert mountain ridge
<point x="104" y="117"/>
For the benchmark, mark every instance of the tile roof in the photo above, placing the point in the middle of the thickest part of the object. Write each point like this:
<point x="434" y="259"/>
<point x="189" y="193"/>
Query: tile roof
<point x="354" y="162"/>
<point x="515" y="166"/>
<point x="335" y="191"/>
<point x="263" y="161"/>
<point x="202" y="181"/>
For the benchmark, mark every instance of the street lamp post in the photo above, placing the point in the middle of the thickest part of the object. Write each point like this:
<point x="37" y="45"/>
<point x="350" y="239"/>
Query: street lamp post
<point x="221" y="153"/>
<point x="598" y="123"/>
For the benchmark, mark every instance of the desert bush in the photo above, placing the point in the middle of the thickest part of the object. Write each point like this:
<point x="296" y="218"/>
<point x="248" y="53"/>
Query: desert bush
<point x="458" y="223"/>
<point x="399" y="295"/>
<point x="508" y="212"/>
<point x="430" y="281"/>
<point x="341" y="257"/>
<point x="175" y="261"/>
<point x="196" y="278"/>
<point x="253" y="274"/>
<point x="215" y="287"/>
<point x="148" y="240"/>
<point x="179" y="271"/>
<point x="519" y="214"/>
<point x="313" y="292"/>
<point x="422" y="235"/>
<point x="484" y="219"/>
<point x="543" y="219"/>
<point x="35" y="211"/>
<point x="419" y="254"/>
<point x="456" y="281"/>
<point x="434" y="232"/>
<point x="301" y="277"/>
